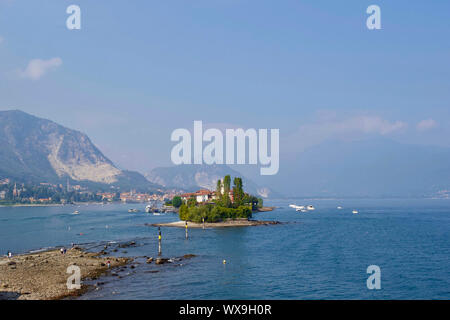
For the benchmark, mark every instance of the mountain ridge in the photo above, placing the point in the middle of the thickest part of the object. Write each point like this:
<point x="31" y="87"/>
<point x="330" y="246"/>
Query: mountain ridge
<point x="40" y="150"/>
<point x="194" y="177"/>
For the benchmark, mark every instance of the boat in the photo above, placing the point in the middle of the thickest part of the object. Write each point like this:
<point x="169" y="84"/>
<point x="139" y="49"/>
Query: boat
<point x="302" y="210"/>
<point x="339" y="208"/>
<point x="76" y="212"/>
<point x="151" y="209"/>
<point x="296" y="207"/>
<point x="355" y="211"/>
<point x="133" y="210"/>
<point x="310" y="208"/>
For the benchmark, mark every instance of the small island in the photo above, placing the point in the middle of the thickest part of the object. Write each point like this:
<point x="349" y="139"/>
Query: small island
<point x="224" y="207"/>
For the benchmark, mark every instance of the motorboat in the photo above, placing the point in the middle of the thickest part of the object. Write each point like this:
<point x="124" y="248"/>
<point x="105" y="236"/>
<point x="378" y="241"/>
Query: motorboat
<point x="310" y="208"/>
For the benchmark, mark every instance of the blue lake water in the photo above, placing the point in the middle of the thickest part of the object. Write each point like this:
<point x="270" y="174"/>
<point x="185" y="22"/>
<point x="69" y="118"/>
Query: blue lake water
<point x="322" y="254"/>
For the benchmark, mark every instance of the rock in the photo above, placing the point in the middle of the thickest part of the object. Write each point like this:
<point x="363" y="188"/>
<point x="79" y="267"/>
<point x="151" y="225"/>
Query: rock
<point x="128" y="244"/>
<point x="188" y="256"/>
<point x="161" y="260"/>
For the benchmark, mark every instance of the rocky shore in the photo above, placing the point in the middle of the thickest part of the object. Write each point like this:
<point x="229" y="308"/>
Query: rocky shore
<point x="222" y="224"/>
<point x="43" y="275"/>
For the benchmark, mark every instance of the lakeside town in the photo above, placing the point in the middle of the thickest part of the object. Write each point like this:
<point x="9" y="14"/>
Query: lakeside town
<point x="14" y="193"/>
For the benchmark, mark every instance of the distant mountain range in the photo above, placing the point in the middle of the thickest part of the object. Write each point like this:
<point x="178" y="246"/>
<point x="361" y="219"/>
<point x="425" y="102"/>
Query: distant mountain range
<point x="194" y="177"/>
<point x="38" y="150"/>
<point x="376" y="167"/>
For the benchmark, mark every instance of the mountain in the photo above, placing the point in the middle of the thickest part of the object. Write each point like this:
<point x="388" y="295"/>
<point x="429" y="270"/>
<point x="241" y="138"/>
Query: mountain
<point x="39" y="150"/>
<point x="194" y="177"/>
<point x="366" y="168"/>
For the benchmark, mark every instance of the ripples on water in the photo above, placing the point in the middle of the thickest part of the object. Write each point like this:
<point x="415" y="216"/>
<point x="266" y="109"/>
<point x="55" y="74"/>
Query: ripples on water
<point x="316" y="255"/>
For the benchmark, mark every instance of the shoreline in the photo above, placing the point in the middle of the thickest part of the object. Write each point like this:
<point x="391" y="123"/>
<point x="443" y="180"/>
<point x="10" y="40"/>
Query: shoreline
<point x="43" y="275"/>
<point x="222" y="224"/>
<point x="265" y="209"/>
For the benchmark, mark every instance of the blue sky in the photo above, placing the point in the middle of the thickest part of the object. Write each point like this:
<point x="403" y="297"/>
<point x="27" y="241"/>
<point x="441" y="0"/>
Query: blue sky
<point x="137" y="70"/>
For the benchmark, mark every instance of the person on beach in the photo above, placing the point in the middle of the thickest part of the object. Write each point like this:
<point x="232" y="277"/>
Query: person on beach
<point x="9" y="254"/>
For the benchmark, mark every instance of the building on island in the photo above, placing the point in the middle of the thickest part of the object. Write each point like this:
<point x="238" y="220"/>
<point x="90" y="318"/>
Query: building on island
<point x="203" y="196"/>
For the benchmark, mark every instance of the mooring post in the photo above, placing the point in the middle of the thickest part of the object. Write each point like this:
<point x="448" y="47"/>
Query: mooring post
<point x="186" y="226"/>
<point x="159" y="241"/>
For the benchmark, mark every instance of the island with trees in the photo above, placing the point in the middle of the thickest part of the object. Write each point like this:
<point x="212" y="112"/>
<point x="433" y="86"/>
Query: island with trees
<point x="226" y="206"/>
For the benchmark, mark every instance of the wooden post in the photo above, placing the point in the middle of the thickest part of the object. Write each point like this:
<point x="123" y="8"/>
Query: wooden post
<point x="186" y="226"/>
<point x="159" y="241"/>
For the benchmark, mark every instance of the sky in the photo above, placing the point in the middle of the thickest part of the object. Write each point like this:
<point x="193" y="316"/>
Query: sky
<point x="137" y="70"/>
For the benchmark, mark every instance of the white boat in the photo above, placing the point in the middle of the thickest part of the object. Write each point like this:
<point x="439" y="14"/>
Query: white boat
<point x="76" y="212"/>
<point x="148" y="208"/>
<point x="339" y="208"/>
<point x="355" y="211"/>
<point x="296" y="207"/>
<point x="303" y="210"/>
<point x="310" y="208"/>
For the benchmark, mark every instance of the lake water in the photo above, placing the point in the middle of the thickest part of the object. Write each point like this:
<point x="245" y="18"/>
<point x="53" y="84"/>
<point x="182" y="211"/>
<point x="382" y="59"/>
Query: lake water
<point x="322" y="254"/>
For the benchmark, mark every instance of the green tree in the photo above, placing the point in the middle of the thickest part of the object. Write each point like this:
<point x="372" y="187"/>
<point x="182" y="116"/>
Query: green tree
<point x="219" y="192"/>
<point x="177" y="202"/>
<point x="260" y="203"/>
<point x="238" y="192"/>
<point x="184" y="212"/>
<point x="192" y="202"/>
<point x="226" y="202"/>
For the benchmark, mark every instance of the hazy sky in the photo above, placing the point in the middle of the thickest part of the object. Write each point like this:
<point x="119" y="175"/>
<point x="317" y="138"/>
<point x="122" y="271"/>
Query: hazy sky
<point x="137" y="70"/>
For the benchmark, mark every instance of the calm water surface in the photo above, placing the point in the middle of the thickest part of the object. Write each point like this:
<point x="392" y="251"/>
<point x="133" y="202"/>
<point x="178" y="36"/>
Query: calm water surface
<point x="316" y="255"/>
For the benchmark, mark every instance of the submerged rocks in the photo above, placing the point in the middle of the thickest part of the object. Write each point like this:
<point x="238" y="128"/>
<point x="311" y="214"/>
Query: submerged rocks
<point x="170" y="260"/>
<point x="161" y="260"/>
<point x="127" y="244"/>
